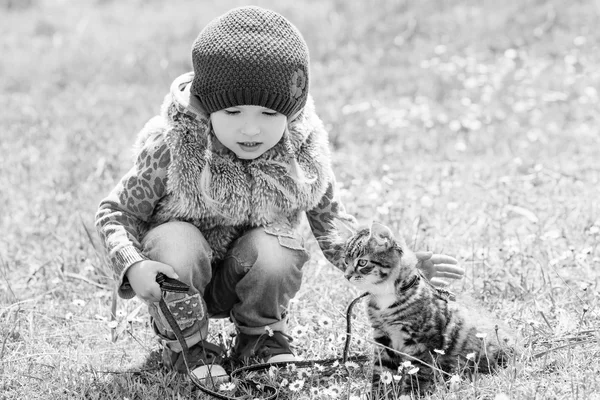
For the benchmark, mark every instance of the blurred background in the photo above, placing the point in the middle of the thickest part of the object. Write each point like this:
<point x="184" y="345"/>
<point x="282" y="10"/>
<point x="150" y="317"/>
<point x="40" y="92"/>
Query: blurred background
<point x="471" y="126"/>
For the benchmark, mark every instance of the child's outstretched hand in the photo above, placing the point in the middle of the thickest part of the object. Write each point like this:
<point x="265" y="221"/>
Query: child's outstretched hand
<point x="439" y="268"/>
<point x="142" y="278"/>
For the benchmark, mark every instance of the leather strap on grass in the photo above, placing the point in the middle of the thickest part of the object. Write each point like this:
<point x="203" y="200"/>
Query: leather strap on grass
<point x="172" y="285"/>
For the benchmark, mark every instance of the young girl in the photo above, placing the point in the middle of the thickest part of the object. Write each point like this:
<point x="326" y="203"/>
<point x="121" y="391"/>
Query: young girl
<point x="219" y="184"/>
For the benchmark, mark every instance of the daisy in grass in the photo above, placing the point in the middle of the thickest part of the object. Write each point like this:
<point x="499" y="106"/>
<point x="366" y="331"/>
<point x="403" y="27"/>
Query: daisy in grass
<point x="269" y="331"/>
<point x="302" y="372"/>
<point x="454" y="383"/>
<point x="299" y="331"/>
<point x="227" y="387"/>
<point x="272" y="371"/>
<point x="407" y="364"/>
<point x="334" y="390"/>
<point x="296" y="385"/>
<point x="291" y="368"/>
<point x="320" y="367"/>
<point x="386" y="378"/>
<point x="325" y="322"/>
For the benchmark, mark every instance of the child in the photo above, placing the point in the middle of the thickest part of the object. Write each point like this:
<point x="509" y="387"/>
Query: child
<point x="220" y="181"/>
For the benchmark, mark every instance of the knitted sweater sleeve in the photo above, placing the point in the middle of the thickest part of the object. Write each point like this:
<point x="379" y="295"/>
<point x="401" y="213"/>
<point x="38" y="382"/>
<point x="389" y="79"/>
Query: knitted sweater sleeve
<point x="123" y="214"/>
<point x="325" y="220"/>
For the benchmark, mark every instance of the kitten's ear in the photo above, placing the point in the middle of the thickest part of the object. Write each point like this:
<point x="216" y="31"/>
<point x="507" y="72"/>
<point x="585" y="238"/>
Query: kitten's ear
<point x="381" y="234"/>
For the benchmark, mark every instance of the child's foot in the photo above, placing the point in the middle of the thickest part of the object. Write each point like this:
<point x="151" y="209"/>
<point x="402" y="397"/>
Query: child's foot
<point x="204" y="361"/>
<point x="272" y="348"/>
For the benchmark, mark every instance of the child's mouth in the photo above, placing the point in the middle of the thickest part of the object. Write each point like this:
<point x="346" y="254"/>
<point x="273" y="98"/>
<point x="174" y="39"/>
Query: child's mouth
<point x="249" y="146"/>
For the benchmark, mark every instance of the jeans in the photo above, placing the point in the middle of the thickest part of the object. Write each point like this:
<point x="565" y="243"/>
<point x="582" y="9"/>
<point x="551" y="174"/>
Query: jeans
<point x="261" y="272"/>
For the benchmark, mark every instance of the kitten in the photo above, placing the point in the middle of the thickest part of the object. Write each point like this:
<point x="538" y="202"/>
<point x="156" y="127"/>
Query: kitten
<point x="415" y="321"/>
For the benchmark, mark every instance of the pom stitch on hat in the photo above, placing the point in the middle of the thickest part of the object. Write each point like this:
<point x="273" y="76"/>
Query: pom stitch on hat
<point x="251" y="56"/>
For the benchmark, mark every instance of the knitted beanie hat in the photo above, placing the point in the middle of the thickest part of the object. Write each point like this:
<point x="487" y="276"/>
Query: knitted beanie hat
<point x="250" y="56"/>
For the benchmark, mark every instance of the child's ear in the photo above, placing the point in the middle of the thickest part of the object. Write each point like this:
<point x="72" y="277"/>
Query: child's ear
<point x="382" y="235"/>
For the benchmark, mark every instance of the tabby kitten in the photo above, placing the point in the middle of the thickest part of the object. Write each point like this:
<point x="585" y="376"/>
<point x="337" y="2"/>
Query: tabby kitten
<point x="414" y="321"/>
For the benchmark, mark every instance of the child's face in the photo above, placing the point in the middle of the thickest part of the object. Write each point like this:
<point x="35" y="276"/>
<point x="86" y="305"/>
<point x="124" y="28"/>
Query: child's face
<point x="248" y="131"/>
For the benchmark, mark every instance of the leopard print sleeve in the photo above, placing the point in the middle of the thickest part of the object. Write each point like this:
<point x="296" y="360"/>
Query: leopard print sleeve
<point x="324" y="221"/>
<point x="121" y="217"/>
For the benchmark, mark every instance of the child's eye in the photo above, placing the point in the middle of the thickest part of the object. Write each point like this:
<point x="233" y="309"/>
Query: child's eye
<point x="231" y="112"/>
<point x="270" y="114"/>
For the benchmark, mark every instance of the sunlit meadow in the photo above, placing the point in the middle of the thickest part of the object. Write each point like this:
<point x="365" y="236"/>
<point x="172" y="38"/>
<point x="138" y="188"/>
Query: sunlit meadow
<point x="470" y="127"/>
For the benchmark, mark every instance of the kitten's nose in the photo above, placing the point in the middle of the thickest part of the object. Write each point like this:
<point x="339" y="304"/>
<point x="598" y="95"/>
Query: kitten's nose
<point x="348" y="276"/>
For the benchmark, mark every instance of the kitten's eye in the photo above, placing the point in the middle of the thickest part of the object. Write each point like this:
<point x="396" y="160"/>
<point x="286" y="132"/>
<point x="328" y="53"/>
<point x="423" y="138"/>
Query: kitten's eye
<point x="362" y="262"/>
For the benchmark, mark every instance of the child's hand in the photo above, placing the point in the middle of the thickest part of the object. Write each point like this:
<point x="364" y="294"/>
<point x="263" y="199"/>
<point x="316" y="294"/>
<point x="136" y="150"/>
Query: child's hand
<point x="439" y="267"/>
<point x="142" y="278"/>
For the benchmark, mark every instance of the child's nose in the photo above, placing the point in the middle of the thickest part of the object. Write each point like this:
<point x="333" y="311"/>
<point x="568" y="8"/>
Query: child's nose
<point x="250" y="130"/>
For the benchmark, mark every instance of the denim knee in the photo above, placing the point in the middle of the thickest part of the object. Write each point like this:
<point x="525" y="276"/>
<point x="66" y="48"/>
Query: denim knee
<point x="275" y="258"/>
<point x="182" y="246"/>
<point x="268" y="273"/>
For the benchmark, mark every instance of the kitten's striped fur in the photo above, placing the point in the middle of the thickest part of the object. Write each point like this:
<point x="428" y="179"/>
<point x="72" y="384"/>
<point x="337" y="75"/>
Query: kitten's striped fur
<point x="412" y="319"/>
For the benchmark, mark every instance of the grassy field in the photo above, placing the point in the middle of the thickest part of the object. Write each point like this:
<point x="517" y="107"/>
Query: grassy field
<point x="471" y="127"/>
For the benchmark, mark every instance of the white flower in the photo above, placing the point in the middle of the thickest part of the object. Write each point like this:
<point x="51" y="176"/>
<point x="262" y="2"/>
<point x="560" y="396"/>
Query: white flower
<point x="324" y="322"/>
<point x="284" y="382"/>
<point x="386" y="378"/>
<point x="413" y="371"/>
<point x="471" y="356"/>
<point x="296" y="385"/>
<point x="79" y="302"/>
<point x="300" y="331"/>
<point x="481" y="335"/>
<point x="272" y="371"/>
<point x="454" y="382"/>
<point x="351" y="365"/>
<point x="269" y="331"/>
<point x="291" y="367"/>
<point x="227" y="387"/>
<point x="440" y="352"/>
<point x="302" y="372"/>
<point x="334" y="391"/>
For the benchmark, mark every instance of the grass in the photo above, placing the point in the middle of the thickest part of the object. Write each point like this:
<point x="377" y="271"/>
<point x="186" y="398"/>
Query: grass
<point x="471" y="127"/>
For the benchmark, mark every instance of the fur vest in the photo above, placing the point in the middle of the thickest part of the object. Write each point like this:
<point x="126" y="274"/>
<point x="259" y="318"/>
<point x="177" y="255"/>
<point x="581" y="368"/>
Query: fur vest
<point x="242" y="193"/>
